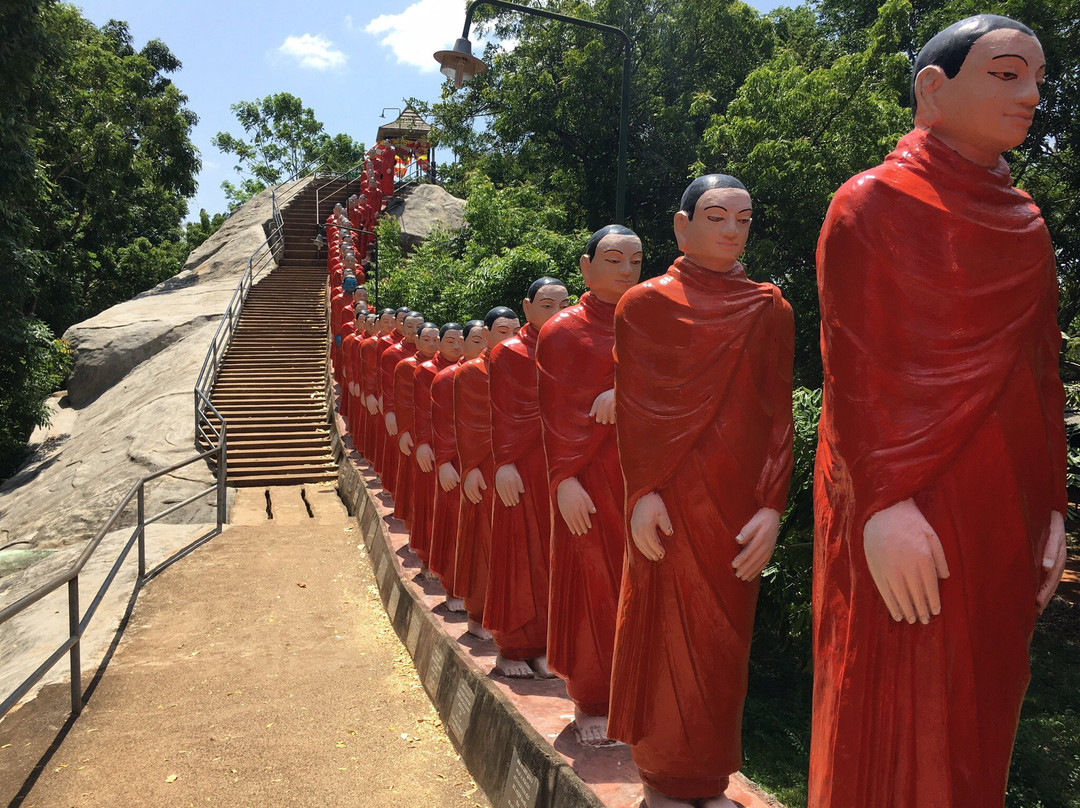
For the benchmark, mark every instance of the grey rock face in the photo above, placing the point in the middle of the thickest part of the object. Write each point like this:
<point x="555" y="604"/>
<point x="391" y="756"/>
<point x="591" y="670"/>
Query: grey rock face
<point x="425" y="208"/>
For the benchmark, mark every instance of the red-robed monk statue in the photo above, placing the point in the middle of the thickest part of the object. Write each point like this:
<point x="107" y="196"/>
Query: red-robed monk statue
<point x="515" y="611"/>
<point x="472" y="424"/>
<point x="703" y="364"/>
<point x="444" y="522"/>
<point x="388" y="363"/>
<point x="940" y="482"/>
<point x="576" y="387"/>
<point x="405" y="413"/>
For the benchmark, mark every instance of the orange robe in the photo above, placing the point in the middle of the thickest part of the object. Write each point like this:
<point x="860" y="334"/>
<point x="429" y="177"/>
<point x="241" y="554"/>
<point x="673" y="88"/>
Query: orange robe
<point x="406" y="464"/>
<point x="940" y="346"/>
<point x="472" y="426"/>
<point x="348" y="347"/>
<point x="444" y="521"/>
<point x="357" y="411"/>
<point x="369" y="383"/>
<point x="703" y="376"/>
<point x="387" y="364"/>
<point x="516" y="608"/>
<point x="576" y="365"/>
<point x="424" y="482"/>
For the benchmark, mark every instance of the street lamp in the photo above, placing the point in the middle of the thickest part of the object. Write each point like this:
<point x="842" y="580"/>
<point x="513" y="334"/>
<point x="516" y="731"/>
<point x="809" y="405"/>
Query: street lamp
<point x="460" y="65"/>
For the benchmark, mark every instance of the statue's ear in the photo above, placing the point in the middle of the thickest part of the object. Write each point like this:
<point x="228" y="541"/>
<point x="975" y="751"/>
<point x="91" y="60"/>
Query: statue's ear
<point x="682" y="219"/>
<point x="928" y="96"/>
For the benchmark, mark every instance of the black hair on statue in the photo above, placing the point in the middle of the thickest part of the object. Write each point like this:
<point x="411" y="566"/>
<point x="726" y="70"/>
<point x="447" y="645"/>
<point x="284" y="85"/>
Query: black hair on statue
<point x="949" y="48"/>
<point x="387" y="311"/>
<point x="598" y="236"/>
<point x="498" y="313"/>
<point x="425" y="326"/>
<point x="451" y="327"/>
<point x="403" y="310"/>
<point x="695" y="190"/>
<point x="469" y="326"/>
<point x="540" y="283"/>
<point x="412" y="315"/>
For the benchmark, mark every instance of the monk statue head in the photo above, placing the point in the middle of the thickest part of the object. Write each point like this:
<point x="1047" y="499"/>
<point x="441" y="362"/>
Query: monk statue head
<point x="409" y="326"/>
<point x="451" y="342"/>
<point x="361" y="295"/>
<point x="399" y="318"/>
<point x="975" y="86"/>
<point x="387" y="321"/>
<point x="349" y="285"/>
<point x="713" y="221"/>
<point x="500" y="324"/>
<point x="427" y="339"/>
<point x="371" y="324"/>
<point x="546" y="298"/>
<point x="612" y="262"/>
<point x="474" y="339"/>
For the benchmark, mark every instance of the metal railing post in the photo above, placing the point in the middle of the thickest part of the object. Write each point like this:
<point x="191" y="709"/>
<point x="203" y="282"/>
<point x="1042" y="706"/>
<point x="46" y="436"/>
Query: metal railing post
<point x="223" y="459"/>
<point x="141" y="508"/>
<point x="75" y="655"/>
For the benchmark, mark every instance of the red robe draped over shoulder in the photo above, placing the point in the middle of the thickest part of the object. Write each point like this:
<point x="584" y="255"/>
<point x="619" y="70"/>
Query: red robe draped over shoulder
<point x="357" y="411"/>
<point x="472" y="425"/>
<point x="575" y="364"/>
<point x="515" y="611"/>
<point x="388" y="362"/>
<point x="424" y="482"/>
<point x="385" y="343"/>
<point x="441" y="557"/>
<point x="940" y="346"/>
<point x="703" y="380"/>
<point x="406" y="465"/>
<point x="348" y="347"/>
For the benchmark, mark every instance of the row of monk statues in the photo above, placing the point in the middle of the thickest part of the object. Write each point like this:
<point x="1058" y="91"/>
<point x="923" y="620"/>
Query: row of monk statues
<point x="600" y="487"/>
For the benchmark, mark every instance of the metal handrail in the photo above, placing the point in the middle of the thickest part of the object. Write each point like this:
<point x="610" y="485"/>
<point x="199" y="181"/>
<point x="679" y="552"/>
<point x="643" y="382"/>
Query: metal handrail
<point x="334" y="179"/>
<point x="77" y="625"/>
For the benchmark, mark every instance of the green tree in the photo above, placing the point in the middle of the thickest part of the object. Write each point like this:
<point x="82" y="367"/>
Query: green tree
<point x="281" y="139"/>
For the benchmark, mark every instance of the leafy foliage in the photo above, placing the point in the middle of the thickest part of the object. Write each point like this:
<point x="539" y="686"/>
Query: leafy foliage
<point x="281" y="138"/>
<point x="512" y="237"/>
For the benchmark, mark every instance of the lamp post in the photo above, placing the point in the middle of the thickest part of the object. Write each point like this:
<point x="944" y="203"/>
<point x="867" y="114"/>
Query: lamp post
<point x="460" y="65"/>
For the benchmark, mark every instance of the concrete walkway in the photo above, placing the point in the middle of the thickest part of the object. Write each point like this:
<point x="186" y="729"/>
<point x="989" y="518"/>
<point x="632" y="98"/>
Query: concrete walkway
<point x="261" y="670"/>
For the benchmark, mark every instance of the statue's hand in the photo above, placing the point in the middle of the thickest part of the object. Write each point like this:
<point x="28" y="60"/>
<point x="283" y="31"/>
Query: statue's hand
<point x="473" y="486"/>
<point x="509" y="485"/>
<point x="425" y="457"/>
<point x="391" y="423"/>
<point x="448" y="477"/>
<point x="603" y="407"/>
<point x="758" y="540"/>
<point x="649" y="514"/>
<point x="373" y="405"/>
<point x="575" y="505"/>
<point x="1053" y="561"/>
<point x="405" y="443"/>
<point x="906" y="559"/>
<point x="381" y="404"/>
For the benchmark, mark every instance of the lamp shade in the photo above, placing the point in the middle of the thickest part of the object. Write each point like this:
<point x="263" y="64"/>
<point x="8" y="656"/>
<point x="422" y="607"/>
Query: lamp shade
<point x="459" y="64"/>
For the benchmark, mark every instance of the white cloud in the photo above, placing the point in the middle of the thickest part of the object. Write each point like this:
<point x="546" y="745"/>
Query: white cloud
<point x="314" y="52"/>
<point x="417" y="32"/>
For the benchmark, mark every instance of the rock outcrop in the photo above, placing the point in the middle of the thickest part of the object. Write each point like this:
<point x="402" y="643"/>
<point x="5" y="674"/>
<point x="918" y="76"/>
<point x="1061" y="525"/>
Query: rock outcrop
<point x="423" y="209"/>
<point x="130" y="408"/>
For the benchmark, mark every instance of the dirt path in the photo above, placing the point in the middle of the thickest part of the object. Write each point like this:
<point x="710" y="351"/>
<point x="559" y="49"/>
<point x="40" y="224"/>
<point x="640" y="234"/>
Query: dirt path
<point x="259" y="671"/>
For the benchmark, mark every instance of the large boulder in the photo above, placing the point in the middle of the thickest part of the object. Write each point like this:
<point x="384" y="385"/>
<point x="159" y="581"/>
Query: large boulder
<point x="129" y="410"/>
<point x="423" y="209"/>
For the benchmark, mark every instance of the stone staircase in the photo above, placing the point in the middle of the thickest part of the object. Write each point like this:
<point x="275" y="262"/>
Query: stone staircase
<point x="272" y="386"/>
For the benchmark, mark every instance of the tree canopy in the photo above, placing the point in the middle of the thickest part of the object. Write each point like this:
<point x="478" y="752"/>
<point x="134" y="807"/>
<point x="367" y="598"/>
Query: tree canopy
<point x="281" y="139"/>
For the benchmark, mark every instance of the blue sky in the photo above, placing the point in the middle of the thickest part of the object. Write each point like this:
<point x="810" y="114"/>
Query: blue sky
<point x="347" y="61"/>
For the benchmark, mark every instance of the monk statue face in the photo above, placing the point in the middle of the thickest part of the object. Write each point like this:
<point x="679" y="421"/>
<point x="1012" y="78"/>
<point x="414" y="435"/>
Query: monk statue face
<point x="475" y="343"/>
<point x="399" y="321"/>
<point x="548" y="301"/>
<point x="451" y="344"/>
<point x="502" y="329"/>
<point x="427" y="342"/>
<point x="988" y="106"/>
<point x="387" y="323"/>
<point x="614" y="268"/>
<point x="716" y="235"/>
<point x="409" y="327"/>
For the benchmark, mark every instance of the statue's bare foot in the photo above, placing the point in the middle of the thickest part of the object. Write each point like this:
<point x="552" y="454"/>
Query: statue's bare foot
<point x="654" y="799"/>
<point x="719" y="801"/>
<point x="591" y="729"/>
<point x="455" y="605"/>
<point x="426" y="573"/>
<point x="477" y="629"/>
<point x="512" y="668"/>
<point x="540" y="667"/>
